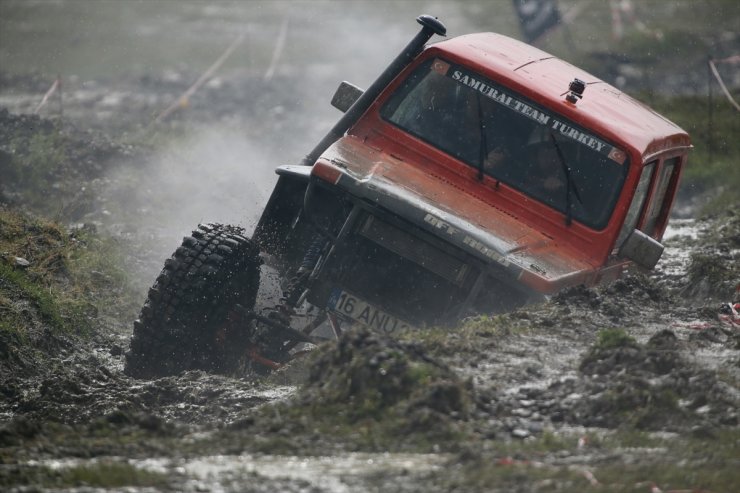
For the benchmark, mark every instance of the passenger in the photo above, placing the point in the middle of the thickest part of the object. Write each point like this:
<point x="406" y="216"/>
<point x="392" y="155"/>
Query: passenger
<point x="500" y="139"/>
<point x="497" y="162"/>
<point x="546" y="178"/>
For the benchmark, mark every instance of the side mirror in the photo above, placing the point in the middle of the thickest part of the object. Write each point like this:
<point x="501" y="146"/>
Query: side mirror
<point x="345" y="96"/>
<point x="641" y="249"/>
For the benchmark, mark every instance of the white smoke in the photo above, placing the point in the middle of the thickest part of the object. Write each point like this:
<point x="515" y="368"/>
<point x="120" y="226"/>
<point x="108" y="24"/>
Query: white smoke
<point x="222" y="170"/>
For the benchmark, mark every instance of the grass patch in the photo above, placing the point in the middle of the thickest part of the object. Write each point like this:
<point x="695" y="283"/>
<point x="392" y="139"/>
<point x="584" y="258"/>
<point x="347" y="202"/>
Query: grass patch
<point x="474" y="334"/>
<point x="70" y="278"/>
<point x="38" y="291"/>
<point x="614" y="338"/>
<point x="62" y="316"/>
<point x="110" y="475"/>
<point x="95" y="475"/>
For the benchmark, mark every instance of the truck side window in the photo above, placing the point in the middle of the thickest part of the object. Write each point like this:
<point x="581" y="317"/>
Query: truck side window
<point x="656" y="203"/>
<point x="638" y="201"/>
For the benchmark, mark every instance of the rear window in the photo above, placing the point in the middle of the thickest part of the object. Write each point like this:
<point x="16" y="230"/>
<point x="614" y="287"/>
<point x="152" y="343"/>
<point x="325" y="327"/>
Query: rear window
<point x="510" y="138"/>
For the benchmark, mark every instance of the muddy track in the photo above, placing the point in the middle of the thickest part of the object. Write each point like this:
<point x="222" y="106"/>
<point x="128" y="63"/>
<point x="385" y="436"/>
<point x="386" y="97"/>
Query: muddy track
<point x="533" y="373"/>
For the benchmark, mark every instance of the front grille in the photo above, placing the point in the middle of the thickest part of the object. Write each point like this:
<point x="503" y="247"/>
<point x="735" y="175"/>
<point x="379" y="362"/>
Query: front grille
<point x="412" y="248"/>
<point x="399" y="269"/>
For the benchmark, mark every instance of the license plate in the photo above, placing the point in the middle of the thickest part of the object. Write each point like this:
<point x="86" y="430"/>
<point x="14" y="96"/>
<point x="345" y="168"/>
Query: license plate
<point x="355" y="309"/>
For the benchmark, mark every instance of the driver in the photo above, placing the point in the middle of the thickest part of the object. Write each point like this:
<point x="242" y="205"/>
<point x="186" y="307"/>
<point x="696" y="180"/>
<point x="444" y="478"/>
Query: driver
<point x="496" y="161"/>
<point x="548" y="170"/>
<point x="546" y="177"/>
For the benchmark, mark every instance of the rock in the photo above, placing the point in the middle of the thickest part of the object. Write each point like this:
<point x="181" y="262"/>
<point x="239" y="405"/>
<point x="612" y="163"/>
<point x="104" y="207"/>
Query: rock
<point x="535" y="427"/>
<point x="520" y="433"/>
<point x="703" y="409"/>
<point x="21" y="262"/>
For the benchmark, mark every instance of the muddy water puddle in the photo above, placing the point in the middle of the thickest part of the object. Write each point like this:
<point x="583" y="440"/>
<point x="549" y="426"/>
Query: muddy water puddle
<point x="678" y="237"/>
<point x="348" y="473"/>
<point x="336" y="474"/>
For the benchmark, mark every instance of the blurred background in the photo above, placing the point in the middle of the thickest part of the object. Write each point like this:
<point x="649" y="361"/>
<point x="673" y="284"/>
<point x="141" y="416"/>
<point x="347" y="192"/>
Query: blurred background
<point x="329" y="39"/>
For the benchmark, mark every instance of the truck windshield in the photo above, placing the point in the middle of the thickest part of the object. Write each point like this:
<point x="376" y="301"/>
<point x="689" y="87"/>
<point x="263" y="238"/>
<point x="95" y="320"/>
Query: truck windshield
<point x="511" y="139"/>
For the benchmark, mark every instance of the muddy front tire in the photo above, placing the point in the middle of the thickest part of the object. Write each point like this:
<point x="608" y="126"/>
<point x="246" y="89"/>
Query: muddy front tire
<point x="182" y="325"/>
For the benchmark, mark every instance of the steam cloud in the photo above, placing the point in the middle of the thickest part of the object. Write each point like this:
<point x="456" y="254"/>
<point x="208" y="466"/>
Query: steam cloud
<point x="224" y="171"/>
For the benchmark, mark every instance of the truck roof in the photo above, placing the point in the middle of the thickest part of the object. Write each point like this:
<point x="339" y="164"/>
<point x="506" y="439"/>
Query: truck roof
<point x="544" y="78"/>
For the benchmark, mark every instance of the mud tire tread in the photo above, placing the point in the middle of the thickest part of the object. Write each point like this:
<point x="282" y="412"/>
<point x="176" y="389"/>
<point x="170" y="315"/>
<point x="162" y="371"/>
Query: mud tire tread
<point x="190" y="300"/>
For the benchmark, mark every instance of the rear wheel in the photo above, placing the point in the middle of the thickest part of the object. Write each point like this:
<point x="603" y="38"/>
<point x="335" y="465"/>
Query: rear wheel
<point x="183" y="324"/>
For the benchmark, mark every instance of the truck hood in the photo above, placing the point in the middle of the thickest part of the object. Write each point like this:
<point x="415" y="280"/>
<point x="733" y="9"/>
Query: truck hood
<point x="415" y="192"/>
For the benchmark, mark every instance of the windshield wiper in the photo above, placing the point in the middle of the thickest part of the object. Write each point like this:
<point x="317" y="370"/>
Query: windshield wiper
<point x="569" y="184"/>
<point x="483" y="144"/>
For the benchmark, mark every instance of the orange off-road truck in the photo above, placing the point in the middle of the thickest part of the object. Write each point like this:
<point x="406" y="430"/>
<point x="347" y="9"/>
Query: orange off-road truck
<point x="474" y="175"/>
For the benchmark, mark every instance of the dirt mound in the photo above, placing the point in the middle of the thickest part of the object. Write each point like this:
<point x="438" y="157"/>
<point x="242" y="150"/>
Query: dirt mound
<point x="372" y="375"/>
<point x="390" y="392"/>
<point x="651" y="386"/>
<point x="714" y="270"/>
<point x="615" y="300"/>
